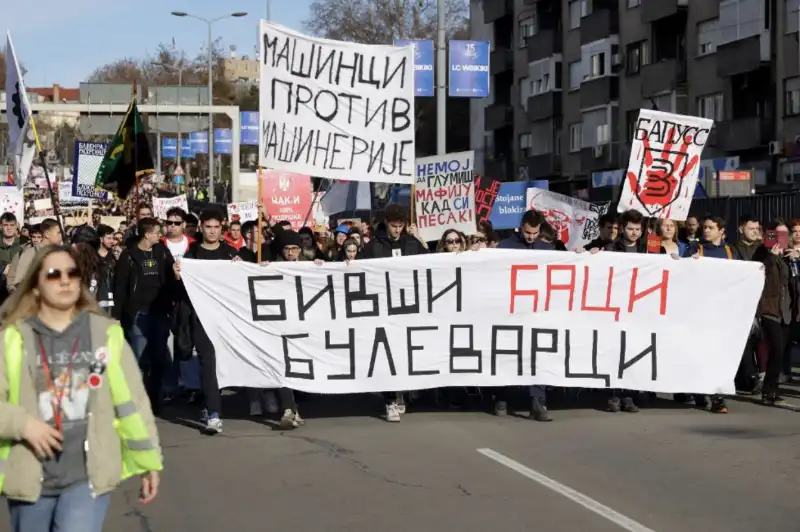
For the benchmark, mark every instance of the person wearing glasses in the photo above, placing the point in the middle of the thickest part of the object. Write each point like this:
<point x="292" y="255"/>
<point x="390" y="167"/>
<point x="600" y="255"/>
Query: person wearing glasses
<point x="75" y="420"/>
<point x="176" y="239"/>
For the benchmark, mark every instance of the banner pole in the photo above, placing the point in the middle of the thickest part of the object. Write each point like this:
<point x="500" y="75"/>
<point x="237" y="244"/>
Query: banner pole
<point x="56" y="208"/>
<point x="315" y="191"/>
<point x="412" y="204"/>
<point x="260" y="235"/>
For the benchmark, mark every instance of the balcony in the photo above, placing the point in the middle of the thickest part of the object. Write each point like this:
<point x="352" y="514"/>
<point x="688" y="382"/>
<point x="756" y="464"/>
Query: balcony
<point x="544" y="106"/>
<point x="744" y="55"/>
<point x="603" y="157"/>
<point x="743" y="134"/>
<point x="496" y="9"/>
<point x="501" y="60"/>
<point x="599" y="91"/>
<point x="653" y="10"/>
<point x="599" y="24"/>
<point x="498" y="116"/>
<point x="662" y="76"/>
<point x="542" y="166"/>
<point x="544" y="44"/>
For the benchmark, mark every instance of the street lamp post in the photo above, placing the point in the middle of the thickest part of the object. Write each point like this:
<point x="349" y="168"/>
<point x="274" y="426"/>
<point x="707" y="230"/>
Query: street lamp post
<point x="210" y="22"/>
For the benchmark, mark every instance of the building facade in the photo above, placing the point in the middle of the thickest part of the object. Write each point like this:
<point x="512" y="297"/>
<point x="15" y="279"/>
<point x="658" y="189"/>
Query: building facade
<point x="569" y="78"/>
<point x="242" y="70"/>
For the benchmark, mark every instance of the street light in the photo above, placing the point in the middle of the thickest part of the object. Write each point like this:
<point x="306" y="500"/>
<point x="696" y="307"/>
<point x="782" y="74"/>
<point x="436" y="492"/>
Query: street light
<point x="209" y="22"/>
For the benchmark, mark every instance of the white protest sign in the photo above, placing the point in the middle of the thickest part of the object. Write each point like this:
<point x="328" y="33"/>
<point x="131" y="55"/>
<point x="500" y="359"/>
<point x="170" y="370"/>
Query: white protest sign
<point x="245" y="210"/>
<point x="65" y="197"/>
<point x="336" y="109"/>
<point x="445" y="194"/>
<point x="12" y="200"/>
<point x="575" y="221"/>
<point x="487" y="318"/>
<point x="664" y="164"/>
<point x="162" y="205"/>
<point x="88" y="157"/>
<point x="318" y="214"/>
<point x="42" y="204"/>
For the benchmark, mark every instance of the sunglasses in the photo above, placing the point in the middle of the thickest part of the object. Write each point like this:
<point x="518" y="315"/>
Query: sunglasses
<point x="54" y="274"/>
<point x="478" y="240"/>
<point x="172" y="223"/>
<point x="451" y="241"/>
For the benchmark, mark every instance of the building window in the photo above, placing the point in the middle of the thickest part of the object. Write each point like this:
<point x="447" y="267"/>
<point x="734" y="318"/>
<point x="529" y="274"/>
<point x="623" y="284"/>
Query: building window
<point x="707" y="35"/>
<point x="525" y="143"/>
<point x="586" y="8"/>
<point x="792" y="89"/>
<point x="527" y="29"/>
<point x="574" y="137"/>
<point x="541" y="138"/>
<point x="524" y="92"/>
<point x="634" y="3"/>
<point x="597" y="65"/>
<point x="711" y="106"/>
<point x="575" y="75"/>
<point x="791" y="15"/>
<point x="595" y="130"/>
<point x="544" y="76"/>
<point x="637" y="56"/>
<point x="575" y="14"/>
<point x="740" y="19"/>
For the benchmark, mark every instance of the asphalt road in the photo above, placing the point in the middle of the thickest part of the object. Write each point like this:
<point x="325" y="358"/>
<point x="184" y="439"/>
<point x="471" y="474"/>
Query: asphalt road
<point x="667" y="468"/>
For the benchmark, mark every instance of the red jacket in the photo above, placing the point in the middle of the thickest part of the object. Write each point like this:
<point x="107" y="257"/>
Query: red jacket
<point x="237" y="245"/>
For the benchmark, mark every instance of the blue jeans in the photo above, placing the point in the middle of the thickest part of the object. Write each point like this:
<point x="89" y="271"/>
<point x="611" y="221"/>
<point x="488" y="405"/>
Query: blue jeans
<point x="74" y="510"/>
<point x="147" y="336"/>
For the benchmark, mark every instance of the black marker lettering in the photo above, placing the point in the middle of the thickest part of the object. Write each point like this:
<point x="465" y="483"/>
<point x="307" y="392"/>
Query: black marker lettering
<point x="464" y="352"/>
<point x="381" y="338"/>
<point x="287" y="360"/>
<point x="649" y="350"/>
<point x="350" y="346"/>
<point x="255" y="302"/>
<point x="412" y="348"/>
<point x="517" y="351"/>
<point x="593" y="375"/>
<point x="303" y="307"/>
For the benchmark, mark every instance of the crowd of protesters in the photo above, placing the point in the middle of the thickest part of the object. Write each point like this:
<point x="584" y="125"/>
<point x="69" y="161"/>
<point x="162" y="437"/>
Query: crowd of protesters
<point x="134" y="273"/>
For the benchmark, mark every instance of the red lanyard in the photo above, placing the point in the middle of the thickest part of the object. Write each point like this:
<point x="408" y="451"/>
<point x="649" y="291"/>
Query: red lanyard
<point x="58" y="394"/>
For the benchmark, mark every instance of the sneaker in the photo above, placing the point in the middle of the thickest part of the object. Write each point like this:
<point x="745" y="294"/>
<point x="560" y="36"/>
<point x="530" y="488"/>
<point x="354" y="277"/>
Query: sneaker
<point x="401" y="403"/>
<point x="272" y="402"/>
<point x="392" y="413"/>
<point x="718" y="406"/>
<point x="500" y="408"/>
<point x="213" y="422"/>
<point x="539" y="411"/>
<point x="759" y="385"/>
<point x="629" y="406"/>
<point x="613" y="405"/>
<point x="288" y="420"/>
<point x="772" y="400"/>
<point x="255" y="408"/>
<point x="298" y="421"/>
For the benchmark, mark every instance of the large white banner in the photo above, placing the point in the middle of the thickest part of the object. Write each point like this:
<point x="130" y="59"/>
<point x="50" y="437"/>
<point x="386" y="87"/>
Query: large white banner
<point x="664" y="164"/>
<point x="445" y="194"/>
<point x="336" y="109"/>
<point x="575" y="221"/>
<point x="487" y="318"/>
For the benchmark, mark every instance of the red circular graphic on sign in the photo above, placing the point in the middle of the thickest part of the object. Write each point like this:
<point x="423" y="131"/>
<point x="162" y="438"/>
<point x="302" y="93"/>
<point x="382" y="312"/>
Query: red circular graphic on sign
<point x="95" y="381"/>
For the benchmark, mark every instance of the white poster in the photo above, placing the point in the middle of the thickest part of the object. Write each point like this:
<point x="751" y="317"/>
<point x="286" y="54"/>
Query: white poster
<point x="65" y="197"/>
<point x="487" y="318"/>
<point x="245" y="210"/>
<point x="318" y="214"/>
<point x="88" y="157"/>
<point x="12" y="200"/>
<point x="445" y="194"/>
<point x="162" y="205"/>
<point x="664" y="164"/>
<point x="335" y="109"/>
<point x="575" y="221"/>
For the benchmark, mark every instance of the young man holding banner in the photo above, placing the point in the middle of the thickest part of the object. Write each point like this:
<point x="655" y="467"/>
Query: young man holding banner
<point x="526" y="238"/>
<point x="397" y="242"/>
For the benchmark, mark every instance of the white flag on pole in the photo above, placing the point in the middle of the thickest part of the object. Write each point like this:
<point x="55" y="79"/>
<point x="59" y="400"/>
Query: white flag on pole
<point x="18" y="111"/>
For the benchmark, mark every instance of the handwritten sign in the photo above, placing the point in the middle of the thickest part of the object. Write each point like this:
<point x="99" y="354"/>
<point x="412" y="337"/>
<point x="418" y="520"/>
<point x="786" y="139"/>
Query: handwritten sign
<point x="335" y="109"/>
<point x="664" y="164"/>
<point x="12" y="200"/>
<point x="487" y="318"/>
<point x="244" y="211"/>
<point x="162" y="205"/>
<point x="575" y="221"/>
<point x="445" y="194"/>
<point x="486" y="190"/>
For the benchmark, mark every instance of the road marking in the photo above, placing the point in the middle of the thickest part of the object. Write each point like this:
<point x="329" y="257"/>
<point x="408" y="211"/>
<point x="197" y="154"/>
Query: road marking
<point x="576" y="496"/>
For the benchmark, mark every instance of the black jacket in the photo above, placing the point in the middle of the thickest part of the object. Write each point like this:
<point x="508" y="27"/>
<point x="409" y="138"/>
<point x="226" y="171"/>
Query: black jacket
<point x="741" y="251"/>
<point x="126" y="277"/>
<point x="381" y="247"/>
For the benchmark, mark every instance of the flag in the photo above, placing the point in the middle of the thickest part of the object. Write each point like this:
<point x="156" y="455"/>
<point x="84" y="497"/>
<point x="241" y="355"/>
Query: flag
<point x="20" y="131"/>
<point x="127" y="157"/>
<point x="347" y="196"/>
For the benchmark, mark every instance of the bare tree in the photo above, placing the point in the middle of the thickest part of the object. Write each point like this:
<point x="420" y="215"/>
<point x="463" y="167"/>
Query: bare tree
<point x="383" y="21"/>
<point x="125" y="70"/>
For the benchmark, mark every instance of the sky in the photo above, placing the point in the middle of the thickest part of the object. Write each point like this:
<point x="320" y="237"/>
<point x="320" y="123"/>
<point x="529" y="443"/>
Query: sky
<point x="65" y="41"/>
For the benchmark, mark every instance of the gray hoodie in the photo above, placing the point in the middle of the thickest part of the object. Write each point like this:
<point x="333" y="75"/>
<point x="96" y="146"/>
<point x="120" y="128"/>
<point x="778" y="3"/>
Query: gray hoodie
<point x="69" y="355"/>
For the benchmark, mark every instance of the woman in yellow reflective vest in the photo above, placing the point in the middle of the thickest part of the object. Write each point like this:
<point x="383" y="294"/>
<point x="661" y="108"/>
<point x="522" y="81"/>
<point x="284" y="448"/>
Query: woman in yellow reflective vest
<point x="75" y="419"/>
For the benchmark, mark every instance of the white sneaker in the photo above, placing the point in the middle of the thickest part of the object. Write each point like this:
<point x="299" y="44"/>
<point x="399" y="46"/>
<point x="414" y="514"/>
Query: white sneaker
<point x="298" y="421"/>
<point x="255" y="408"/>
<point x="214" y="425"/>
<point x="401" y="403"/>
<point x="392" y="413"/>
<point x="288" y="419"/>
<point x="272" y="402"/>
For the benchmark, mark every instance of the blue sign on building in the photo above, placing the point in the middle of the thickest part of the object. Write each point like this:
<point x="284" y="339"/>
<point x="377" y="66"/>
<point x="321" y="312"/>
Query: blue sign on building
<point x="223" y="141"/>
<point x="199" y="141"/>
<point x="423" y="66"/>
<point x="249" y="130"/>
<point x="186" y="148"/>
<point x="169" y="147"/>
<point x="469" y="69"/>
<point x="510" y="205"/>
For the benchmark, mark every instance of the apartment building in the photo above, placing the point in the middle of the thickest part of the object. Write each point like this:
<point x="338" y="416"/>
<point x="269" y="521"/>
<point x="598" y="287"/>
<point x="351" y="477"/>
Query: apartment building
<point x="569" y="78"/>
<point x="242" y="70"/>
